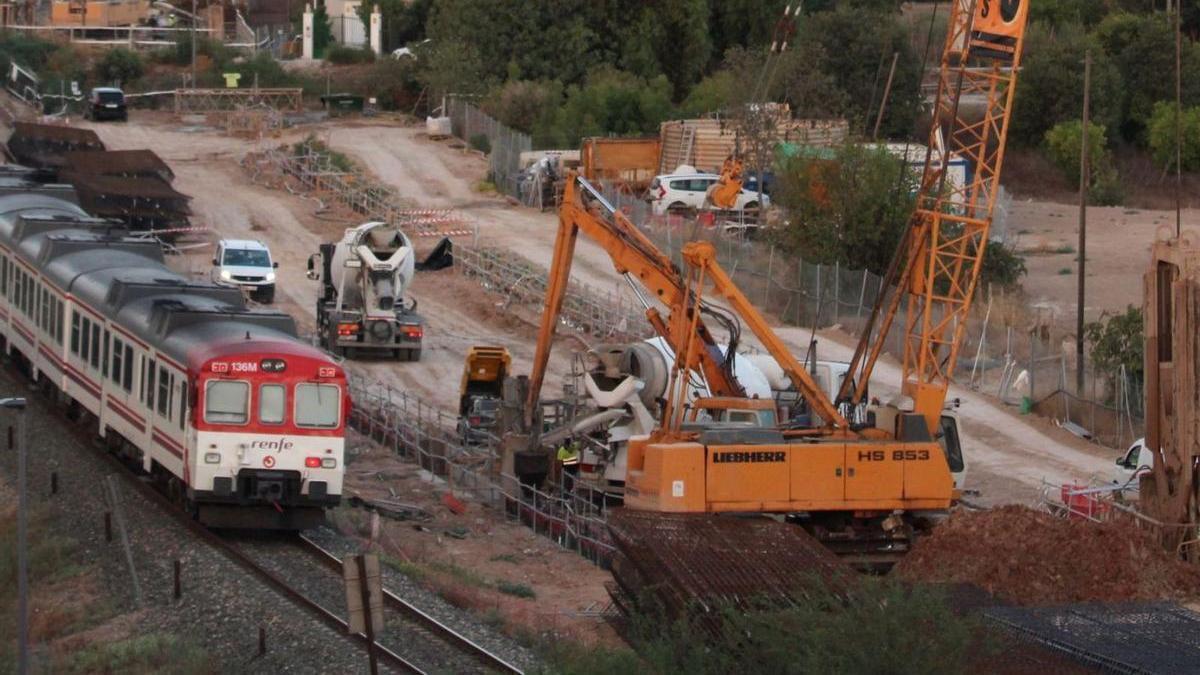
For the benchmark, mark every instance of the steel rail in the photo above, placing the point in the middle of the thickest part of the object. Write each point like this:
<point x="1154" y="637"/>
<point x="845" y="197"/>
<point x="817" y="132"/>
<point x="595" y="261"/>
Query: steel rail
<point x="419" y="616"/>
<point x="147" y="490"/>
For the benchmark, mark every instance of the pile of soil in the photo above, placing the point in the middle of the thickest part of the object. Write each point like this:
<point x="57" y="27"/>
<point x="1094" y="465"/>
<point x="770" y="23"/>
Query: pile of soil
<point x="1033" y="558"/>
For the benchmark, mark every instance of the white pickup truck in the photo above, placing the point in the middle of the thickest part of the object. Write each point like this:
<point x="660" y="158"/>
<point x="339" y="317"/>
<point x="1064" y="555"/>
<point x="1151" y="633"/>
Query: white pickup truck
<point x="1137" y="460"/>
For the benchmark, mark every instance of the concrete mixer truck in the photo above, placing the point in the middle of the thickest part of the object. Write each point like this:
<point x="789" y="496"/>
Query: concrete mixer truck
<point x="362" y="304"/>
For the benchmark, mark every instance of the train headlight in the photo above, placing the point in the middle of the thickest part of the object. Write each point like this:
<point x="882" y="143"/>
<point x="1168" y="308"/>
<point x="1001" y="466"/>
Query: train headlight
<point x="328" y="463"/>
<point x="226" y="275"/>
<point x="270" y="276"/>
<point x="212" y="458"/>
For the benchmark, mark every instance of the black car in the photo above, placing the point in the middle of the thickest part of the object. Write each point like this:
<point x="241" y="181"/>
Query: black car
<point x="106" y="103"/>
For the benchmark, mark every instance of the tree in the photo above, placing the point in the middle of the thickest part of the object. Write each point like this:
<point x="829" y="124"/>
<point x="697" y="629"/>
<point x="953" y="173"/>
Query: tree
<point x="1118" y="342"/>
<point x="403" y="21"/>
<point x="120" y="66"/>
<point x="1163" y="134"/>
<point x="1142" y="46"/>
<point x="1050" y="88"/>
<point x="322" y="30"/>
<point x="1067" y="12"/>
<point x="743" y="23"/>
<point x="849" y="206"/>
<point x="451" y="67"/>
<point x="611" y="102"/>
<point x="1063" y="144"/>
<point x="858" y="44"/>
<point x="524" y="105"/>
<point x="668" y="37"/>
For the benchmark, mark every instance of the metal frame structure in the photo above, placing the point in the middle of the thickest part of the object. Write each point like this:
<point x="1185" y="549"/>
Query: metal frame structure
<point x="203" y="101"/>
<point x="941" y="256"/>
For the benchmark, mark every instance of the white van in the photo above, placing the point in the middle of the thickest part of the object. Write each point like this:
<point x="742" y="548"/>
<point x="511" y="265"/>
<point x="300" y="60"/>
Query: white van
<point x="245" y="264"/>
<point x="686" y="192"/>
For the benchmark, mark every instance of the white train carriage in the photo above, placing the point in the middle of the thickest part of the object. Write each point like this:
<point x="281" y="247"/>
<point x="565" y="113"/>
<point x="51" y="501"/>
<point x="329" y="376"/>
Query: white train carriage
<point x="243" y="421"/>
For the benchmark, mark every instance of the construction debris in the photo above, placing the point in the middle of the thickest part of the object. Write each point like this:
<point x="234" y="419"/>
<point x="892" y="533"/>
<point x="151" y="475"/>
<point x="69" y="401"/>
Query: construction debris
<point x="141" y="203"/>
<point x="1033" y="558"/>
<point x="700" y="564"/>
<point x="123" y="163"/>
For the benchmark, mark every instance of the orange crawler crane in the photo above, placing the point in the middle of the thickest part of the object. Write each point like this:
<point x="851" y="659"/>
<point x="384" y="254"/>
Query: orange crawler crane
<point x="865" y="478"/>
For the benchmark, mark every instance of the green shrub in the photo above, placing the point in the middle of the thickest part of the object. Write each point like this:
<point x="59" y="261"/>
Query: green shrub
<point x="882" y="627"/>
<point x="848" y="208"/>
<point x="1162" y="136"/>
<point x="1117" y="341"/>
<point x="1063" y="144"/>
<point x="154" y="652"/>
<point x="119" y="66"/>
<point x="480" y="142"/>
<point x="518" y="590"/>
<point x="343" y="55"/>
<point x="1002" y="266"/>
<point x="1064" y="141"/>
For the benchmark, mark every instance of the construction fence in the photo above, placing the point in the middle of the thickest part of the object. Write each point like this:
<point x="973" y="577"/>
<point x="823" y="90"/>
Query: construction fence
<point x="603" y="315"/>
<point x="315" y="174"/>
<point x="1021" y="359"/>
<point x="408" y="426"/>
<point x="503" y="145"/>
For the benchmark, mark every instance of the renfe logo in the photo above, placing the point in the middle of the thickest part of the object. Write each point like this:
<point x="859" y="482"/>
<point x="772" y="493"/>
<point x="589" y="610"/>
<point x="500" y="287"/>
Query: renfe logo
<point x="278" y="446"/>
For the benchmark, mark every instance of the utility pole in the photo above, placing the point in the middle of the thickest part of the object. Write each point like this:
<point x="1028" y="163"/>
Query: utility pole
<point x="194" y="19"/>
<point x="1178" y="121"/>
<point x="1084" y="184"/>
<point x="887" y="91"/>
<point x="18" y="404"/>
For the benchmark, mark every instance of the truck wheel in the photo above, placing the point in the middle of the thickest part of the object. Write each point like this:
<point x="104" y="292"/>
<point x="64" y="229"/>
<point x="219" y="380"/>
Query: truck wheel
<point x="414" y="355"/>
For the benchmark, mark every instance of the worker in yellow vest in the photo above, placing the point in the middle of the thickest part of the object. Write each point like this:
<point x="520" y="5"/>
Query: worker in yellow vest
<point x="568" y="458"/>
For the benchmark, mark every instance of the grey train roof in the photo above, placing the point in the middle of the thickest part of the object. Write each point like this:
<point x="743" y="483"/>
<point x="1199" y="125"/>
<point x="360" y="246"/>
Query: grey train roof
<point x="124" y="278"/>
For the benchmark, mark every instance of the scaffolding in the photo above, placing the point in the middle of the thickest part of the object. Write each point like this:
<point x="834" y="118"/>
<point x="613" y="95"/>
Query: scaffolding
<point x="219" y="101"/>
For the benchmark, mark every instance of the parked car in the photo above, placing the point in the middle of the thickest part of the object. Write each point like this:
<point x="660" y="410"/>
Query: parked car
<point x="1137" y="460"/>
<point x="247" y="265"/>
<point x="106" y="103"/>
<point x="686" y="192"/>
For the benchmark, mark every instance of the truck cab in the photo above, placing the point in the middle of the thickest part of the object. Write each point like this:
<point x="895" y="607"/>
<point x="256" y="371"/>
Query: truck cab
<point x="245" y="264"/>
<point x="1137" y="460"/>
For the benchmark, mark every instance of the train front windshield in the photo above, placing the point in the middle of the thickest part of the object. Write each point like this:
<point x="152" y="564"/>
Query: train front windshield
<point x="236" y="402"/>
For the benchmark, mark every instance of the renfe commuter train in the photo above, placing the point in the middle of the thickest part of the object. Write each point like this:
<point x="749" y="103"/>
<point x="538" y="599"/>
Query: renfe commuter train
<point x="242" y="421"/>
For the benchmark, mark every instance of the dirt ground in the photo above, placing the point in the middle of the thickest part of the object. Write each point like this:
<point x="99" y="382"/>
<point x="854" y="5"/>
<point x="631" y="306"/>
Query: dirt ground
<point x="479" y="560"/>
<point x="1118" y="250"/>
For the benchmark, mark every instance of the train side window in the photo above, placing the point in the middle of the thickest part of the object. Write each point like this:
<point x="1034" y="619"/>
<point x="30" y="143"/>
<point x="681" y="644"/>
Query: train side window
<point x="164" y="392"/>
<point x="116" y="359"/>
<point x="104" y="356"/>
<point x="272" y="401"/>
<point x="85" y="341"/>
<point x="226" y="402"/>
<point x="95" y="360"/>
<point x="150" y="370"/>
<point x="318" y="405"/>
<point x="127" y="382"/>
<point x="4" y="276"/>
<point x="182" y="402"/>
<point x="75" y="333"/>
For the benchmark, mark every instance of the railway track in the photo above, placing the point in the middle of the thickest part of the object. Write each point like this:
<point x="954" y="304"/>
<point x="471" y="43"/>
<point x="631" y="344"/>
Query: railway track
<point x="428" y="645"/>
